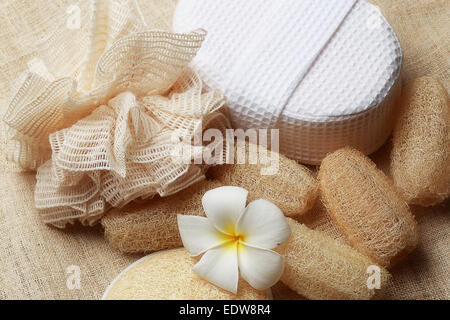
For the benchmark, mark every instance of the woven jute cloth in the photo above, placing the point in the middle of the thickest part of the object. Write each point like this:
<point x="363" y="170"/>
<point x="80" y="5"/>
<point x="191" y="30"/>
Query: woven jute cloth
<point x="38" y="261"/>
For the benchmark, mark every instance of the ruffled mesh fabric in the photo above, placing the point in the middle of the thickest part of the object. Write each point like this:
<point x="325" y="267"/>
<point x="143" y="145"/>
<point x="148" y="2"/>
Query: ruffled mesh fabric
<point x="112" y="133"/>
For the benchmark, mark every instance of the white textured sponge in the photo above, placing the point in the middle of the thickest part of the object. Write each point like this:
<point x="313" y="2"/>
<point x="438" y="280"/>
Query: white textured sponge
<point x="322" y="71"/>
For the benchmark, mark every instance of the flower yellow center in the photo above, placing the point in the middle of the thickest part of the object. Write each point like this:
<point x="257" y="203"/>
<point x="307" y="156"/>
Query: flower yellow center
<point x="233" y="240"/>
<point x="238" y="237"/>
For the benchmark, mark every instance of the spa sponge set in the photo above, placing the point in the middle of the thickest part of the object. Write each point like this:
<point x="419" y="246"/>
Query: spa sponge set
<point x="369" y="209"/>
<point x="106" y="140"/>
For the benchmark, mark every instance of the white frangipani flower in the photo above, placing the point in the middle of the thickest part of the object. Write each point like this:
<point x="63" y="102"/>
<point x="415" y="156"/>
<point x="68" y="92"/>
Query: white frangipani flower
<point x="235" y="238"/>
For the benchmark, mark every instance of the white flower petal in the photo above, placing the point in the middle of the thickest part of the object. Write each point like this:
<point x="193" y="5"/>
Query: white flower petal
<point x="198" y="234"/>
<point x="223" y="206"/>
<point x="220" y="266"/>
<point x="261" y="268"/>
<point x="263" y="225"/>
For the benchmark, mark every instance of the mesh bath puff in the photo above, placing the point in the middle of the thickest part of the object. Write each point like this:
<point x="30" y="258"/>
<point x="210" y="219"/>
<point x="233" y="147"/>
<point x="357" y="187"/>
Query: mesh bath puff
<point x="367" y="207"/>
<point x="420" y="157"/>
<point x="168" y="275"/>
<point x="292" y="188"/>
<point x="112" y="133"/>
<point x="319" y="267"/>
<point x="152" y="226"/>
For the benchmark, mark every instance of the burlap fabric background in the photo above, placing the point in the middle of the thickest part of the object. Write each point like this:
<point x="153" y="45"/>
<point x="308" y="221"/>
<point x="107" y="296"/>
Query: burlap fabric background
<point x="34" y="257"/>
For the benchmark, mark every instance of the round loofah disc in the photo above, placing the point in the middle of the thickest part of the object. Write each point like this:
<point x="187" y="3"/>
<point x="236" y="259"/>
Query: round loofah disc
<point x="420" y="158"/>
<point x="168" y="275"/>
<point x="367" y="207"/>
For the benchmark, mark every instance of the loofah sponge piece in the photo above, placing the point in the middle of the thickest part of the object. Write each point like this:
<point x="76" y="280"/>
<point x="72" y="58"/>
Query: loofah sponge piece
<point x="366" y="206"/>
<point x="169" y="275"/>
<point x="293" y="188"/>
<point x="319" y="267"/>
<point x="152" y="226"/>
<point x="420" y="158"/>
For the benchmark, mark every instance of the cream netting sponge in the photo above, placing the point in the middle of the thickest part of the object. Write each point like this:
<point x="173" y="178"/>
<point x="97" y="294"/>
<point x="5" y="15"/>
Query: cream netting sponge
<point x="112" y="133"/>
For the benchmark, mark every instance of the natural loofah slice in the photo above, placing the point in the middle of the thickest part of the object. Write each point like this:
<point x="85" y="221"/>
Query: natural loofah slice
<point x="367" y="207"/>
<point x="292" y="188"/>
<point x="168" y="275"/>
<point x="152" y="226"/>
<point x="420" y="158"/>
<point x="319" y="267"/>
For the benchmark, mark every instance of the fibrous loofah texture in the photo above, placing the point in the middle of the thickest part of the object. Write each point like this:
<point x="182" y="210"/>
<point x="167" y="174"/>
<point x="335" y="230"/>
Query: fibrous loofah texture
<point x="152" y="226"/>
<point x="168" y="275"/>
<point x="420" y="157"/>
<point x="113" y="134"/>
<point x="319" y="267"/>
<point x="292" y="188"/>
<point x="366" y="207"/>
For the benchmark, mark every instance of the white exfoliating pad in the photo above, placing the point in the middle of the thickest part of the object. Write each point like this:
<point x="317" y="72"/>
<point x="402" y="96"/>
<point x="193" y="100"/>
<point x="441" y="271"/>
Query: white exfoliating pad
<point x="324" y="72"/>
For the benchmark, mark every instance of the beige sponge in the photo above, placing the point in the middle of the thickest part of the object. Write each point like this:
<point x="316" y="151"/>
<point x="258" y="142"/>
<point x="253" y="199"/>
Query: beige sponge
<point x="152" y="226"/>
<point x="168" y="275"/>
<point x="319" y="267"/>
<point x="367" y="207"/>
<point x="292" y="188"/>
<point x="420" y="157"/>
